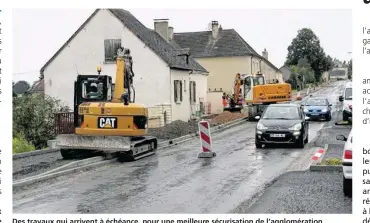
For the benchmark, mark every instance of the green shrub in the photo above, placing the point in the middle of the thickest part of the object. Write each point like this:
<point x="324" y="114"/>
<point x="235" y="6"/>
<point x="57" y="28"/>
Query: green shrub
<point x="20" y="145"/>
<point x="332" y="162"/>
<point x="33" y="118"/>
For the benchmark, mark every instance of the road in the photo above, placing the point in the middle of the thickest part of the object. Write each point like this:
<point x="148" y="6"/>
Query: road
<point x="175" y="180"/>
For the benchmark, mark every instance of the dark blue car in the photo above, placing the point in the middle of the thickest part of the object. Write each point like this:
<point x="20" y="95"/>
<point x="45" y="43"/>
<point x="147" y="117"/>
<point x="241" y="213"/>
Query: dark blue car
<point x="317" y="108"/>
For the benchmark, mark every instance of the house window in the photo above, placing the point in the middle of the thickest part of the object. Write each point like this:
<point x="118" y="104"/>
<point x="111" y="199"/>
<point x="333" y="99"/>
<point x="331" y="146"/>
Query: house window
<point x="177" y="90"/>
<point x="110" y="49"/>
<point x="192" y="92"/>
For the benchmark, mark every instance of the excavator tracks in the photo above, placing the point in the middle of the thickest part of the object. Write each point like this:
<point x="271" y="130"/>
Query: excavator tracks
<point x="140" y="148"/>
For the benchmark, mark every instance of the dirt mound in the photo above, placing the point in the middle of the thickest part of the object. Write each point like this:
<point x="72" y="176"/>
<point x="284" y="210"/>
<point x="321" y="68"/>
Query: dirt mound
<point x="180" y="128"/>
<point x="174" y="129"/>
<point x="225" y="117"/>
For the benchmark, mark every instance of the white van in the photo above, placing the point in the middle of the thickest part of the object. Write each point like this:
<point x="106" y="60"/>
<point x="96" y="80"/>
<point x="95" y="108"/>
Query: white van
<point x="346" y="100"/>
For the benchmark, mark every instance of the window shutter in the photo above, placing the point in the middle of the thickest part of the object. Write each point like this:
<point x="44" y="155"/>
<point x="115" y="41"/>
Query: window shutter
<point x="107" y="49"/>
<point x="175" y="90"/>
<point x="180" y="91"/>
<point x="195" y="91"/>
<point x="190" y="91"/>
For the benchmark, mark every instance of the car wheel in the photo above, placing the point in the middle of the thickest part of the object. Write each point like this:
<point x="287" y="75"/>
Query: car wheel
<point x="328" y="117"/>
<point x="306" y="140"/>
<point x="300" y="143"/>
<point x="347" y="187"/>
<point x="345" y="117"/>
<point x="258" y="145"/>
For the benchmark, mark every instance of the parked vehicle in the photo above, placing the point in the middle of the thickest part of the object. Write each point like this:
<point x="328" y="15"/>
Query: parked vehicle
<point x="347" y="164"/>
<point x="282" y="124"/>
<point x="317" y="108"/>
<point x="346" y="100"/>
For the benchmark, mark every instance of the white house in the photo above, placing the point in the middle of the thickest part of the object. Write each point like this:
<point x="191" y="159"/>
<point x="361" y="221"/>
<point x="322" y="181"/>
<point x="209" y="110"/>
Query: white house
<point x="164" y="74"/>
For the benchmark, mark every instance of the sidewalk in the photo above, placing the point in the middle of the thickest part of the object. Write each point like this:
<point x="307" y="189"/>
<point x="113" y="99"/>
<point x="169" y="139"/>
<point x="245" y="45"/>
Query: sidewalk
<point x="304" y="91"/>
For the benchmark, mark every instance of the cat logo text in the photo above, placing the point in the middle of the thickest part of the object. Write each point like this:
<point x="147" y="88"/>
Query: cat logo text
<point x="107" y="122"/>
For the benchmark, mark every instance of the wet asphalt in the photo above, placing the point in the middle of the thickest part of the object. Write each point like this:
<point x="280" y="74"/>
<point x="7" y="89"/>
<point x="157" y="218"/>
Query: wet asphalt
<point x="307" y="192"/>
<point x="175" y="180"/>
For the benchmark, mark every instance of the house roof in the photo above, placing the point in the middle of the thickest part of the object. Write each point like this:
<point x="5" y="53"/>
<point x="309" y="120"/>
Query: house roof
<point x="38" y="87"/>
<point x="286" y="67"/>
<point x="227" y="44"/>
<point x="150" y="38"/>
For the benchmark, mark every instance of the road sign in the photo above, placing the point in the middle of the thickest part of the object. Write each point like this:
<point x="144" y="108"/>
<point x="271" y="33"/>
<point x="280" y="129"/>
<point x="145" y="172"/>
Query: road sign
<point x="205" y="140"/>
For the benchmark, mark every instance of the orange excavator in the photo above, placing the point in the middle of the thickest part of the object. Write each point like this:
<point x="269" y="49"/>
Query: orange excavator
<point x="252" y="92"/>
<point x="234" y="102"/>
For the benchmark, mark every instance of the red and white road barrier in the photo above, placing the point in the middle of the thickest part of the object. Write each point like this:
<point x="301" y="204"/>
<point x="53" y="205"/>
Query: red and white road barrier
<point x="298" y="97"/>
<point x="318" y="154"/>
<point x="205" y="140"/>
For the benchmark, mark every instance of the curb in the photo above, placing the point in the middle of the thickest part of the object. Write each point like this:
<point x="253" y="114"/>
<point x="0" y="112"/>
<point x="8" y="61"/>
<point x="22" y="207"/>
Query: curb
<point x="325" y="168"/>
<point x="34" y="153"/>
<point x="78" y="163"/>
<point x="22" y="183"/>
<point x="317" y="159"/>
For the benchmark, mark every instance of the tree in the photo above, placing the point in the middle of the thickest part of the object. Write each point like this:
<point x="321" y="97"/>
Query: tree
<point x="33" y="118"/>
<point x="21" y="87"/>
<point x="306" y="72"/>
<point x="307" y="45"/>
<point x="337" y="63"/>
<point x="350" y="69"/>
<point x="330" y="62"/>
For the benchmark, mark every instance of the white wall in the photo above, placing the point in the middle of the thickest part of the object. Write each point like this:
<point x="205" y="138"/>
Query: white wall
<point x="86" y="52"/>
<point x="180" y="111"/>
<point x="215" y="99"/>
<point x="201" y="86"/>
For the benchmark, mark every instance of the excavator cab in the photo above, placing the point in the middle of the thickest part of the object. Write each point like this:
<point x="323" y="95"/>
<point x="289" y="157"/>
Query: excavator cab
<point x="91" y="88"/>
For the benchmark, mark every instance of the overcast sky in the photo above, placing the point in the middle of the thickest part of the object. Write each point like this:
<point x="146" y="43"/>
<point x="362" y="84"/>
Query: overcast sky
<point x="39" y="33"/>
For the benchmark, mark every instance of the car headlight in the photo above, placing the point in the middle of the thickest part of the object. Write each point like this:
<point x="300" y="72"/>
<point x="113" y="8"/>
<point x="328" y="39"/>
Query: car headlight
<point x="296" y="127"/>
<point x="305" y="110"/>
<point x="324" y="110"/>
<point x="261" y="127"/>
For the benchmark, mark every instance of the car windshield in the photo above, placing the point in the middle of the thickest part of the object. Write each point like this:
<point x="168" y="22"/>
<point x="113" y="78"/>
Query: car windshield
<point x="348" y="94"/>
<point x="287" y="113"/>
<point x="316" y="102"/>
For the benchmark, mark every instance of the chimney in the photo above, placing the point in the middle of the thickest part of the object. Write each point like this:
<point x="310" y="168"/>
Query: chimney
<point x="214" y="29"/>
<point x="265" y="54"/>
<point x="161" y="27"/>
<point x="170" y="33"/>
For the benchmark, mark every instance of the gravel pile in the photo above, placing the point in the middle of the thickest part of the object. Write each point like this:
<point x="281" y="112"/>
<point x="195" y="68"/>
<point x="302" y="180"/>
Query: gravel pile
<point x="226" y="117"/>
<point x="180" y="128"/>
<point x="174" y="129"/>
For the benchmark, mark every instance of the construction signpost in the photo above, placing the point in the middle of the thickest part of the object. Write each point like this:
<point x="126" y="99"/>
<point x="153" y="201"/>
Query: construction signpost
<point x="205" y="140"/>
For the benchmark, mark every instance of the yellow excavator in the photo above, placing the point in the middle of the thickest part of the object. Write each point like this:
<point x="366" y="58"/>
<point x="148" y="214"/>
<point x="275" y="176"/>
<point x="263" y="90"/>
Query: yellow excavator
<point x="252" y="92"/>
<point x="106" y="117"/>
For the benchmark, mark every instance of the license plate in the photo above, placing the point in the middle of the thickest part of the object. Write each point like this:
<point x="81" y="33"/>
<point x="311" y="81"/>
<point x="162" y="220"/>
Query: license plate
<point x="277" y="135"/>
<point x="315" y="114"/>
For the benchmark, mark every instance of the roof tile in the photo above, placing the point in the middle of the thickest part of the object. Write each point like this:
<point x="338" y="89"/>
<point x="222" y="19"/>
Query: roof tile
<point x="227" y="44"/>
